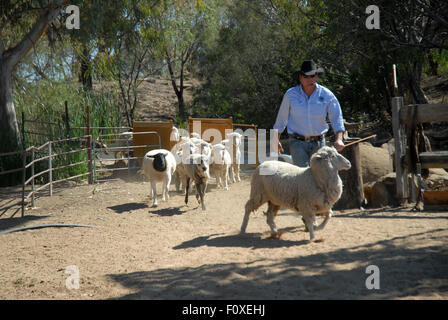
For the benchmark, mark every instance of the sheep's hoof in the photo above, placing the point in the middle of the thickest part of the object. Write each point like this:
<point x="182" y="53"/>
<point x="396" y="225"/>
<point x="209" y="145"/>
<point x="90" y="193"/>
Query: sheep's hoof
<point x="277" y="236"/>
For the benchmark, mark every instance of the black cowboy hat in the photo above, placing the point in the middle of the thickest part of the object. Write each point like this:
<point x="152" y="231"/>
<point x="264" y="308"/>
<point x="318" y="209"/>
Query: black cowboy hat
<point x="309" y="68"/>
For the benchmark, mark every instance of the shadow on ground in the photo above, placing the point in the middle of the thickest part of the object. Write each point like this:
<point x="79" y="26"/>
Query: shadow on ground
<point x="9" y="223"/>
<point x="128" y="207"/>
<point x="406" y="270"/>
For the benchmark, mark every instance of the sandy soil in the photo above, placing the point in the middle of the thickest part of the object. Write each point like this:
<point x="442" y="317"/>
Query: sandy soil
<point x="181" y="252"/>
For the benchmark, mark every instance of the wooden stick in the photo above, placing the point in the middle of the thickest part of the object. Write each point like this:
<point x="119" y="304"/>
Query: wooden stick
<point x="360" y="140"/>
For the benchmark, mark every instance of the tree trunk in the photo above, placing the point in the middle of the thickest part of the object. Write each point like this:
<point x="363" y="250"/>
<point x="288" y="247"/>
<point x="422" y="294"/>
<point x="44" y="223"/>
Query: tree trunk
<point x="10" y="134"/>
<point x="9" y="57"/>
<point x="432" y="64"/>
<point x="415" y="72"/>
<point x="178" y="90"/>
<point x="181" y="104"/>
<point x="85" y="75"/>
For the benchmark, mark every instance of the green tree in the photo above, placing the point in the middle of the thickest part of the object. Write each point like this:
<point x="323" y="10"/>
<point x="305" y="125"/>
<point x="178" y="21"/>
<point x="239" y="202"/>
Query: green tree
<point x="21" y="26"/>
<point x="184" y="27"/>
<point x="246" y="70"/>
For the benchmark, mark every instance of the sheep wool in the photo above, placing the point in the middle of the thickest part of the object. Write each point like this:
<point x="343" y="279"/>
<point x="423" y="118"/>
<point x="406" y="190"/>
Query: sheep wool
<point x="311" y="191"/>
<point x="158" y="166"/>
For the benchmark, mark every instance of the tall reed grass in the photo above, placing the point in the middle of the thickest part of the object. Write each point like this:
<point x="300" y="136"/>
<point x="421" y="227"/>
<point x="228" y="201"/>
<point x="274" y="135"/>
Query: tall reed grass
<point x="45" y="101"/>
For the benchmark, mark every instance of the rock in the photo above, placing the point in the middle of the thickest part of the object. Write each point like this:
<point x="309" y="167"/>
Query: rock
<point x="374" y="162"/>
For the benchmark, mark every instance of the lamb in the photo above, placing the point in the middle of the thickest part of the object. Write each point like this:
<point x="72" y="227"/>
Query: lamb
<point x="197" y="169"/>
<point x="159" y="166"/>
<point x="185" y="148"/>
<point x="220" y="165"/>
<point x="311" y="191"/>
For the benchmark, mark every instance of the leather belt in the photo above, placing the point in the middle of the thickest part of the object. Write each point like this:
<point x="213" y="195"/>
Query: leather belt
<point x="302" y="138"/>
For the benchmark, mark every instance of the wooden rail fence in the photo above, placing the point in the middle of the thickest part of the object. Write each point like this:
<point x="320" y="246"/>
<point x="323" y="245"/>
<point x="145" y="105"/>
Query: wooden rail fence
<point x="405" y="118"/>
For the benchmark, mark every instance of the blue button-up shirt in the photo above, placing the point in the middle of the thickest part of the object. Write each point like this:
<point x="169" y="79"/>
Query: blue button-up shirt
<point x="307" y="116"/>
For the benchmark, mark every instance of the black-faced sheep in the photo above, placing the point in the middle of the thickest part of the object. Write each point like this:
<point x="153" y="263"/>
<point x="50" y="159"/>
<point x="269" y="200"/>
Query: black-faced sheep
<point x="159" y="166"/>
<point x="311" y="191"/>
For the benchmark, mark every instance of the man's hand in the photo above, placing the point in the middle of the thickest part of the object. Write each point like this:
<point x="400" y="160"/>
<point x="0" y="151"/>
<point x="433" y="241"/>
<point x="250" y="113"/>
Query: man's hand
<point x="338" y="143"/>
<point x="277" y="146"/>
<point x="280" y="148"/>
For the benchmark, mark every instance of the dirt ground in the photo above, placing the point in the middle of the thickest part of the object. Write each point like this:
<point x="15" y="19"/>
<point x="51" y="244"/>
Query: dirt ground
<point x="176" y="251"/>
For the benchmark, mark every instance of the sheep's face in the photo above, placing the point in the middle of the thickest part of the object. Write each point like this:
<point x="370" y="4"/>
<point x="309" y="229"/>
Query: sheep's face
<point x="333" y="158"/>
<point x="203" y="167"/>
<point x="234" y="137"/>
<point x="159" y="163"/>
<point x="101" y="145"/>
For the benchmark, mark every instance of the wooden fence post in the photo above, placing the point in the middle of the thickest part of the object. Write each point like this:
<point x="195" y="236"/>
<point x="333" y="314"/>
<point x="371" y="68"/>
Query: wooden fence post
<point x="402" y="187"/>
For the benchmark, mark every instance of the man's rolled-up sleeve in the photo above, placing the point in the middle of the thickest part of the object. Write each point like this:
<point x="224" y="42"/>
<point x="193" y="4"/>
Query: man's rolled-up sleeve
<point x="335" y="115"/>
<point x="282" y="116"/>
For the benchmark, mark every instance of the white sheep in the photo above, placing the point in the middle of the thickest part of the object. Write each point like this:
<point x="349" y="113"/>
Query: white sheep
<point x="202" y="146"/>
<point x="220" y="165"/>
<point x="159" y="166"/>
<point x="197" y="170"/>
<point x="233" y="143"/>
<point x="195" y="135"/>
<point x="174" y="135"/>
<point x="311" y="191"/>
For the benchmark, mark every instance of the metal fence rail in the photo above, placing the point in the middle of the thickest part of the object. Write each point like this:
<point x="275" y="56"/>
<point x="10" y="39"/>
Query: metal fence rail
<point x="30" y="159"/>
<point x="129" y="147"/>
<point x="49" y="157"/>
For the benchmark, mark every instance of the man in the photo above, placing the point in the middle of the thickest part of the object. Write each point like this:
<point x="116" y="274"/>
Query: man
<point x="303" y="112"/>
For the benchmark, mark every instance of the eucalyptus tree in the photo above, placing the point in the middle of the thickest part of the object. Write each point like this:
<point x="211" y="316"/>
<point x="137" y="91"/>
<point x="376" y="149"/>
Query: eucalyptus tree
<point x="21" y="25"/>
<point x="184" y="27"/>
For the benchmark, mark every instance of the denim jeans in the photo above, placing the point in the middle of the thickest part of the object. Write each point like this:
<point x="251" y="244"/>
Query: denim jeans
<point x="301" y="151"/>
